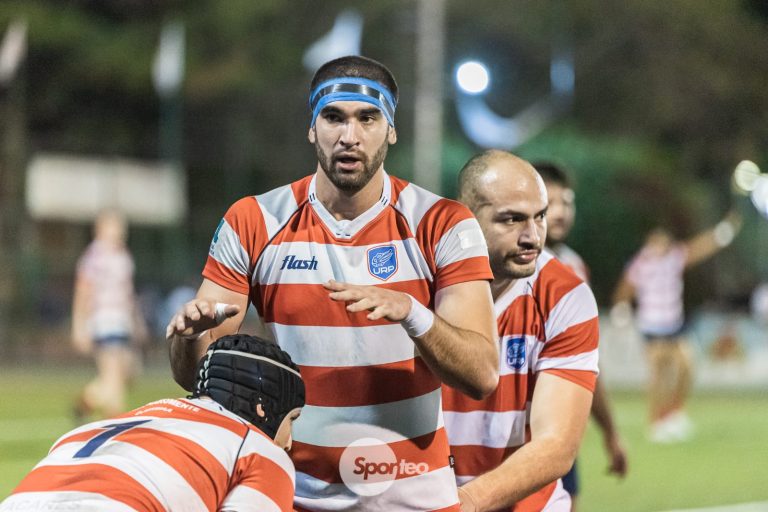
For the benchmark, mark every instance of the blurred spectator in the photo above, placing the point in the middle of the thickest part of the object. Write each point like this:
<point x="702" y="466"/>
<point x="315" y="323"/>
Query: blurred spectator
<point x="106" y="319"/>
<point x="758" y="304"/>
<point x="561" y="214"/>
<point x="654" y="278"/>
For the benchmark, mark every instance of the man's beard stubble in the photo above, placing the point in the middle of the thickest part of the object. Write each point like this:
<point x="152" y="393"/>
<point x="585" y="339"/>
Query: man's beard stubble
<point x="356" y="182"/>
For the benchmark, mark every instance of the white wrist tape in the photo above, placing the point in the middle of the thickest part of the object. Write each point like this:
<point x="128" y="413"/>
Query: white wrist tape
<point x="220" y="315"/>
<point x="419" y="319"/>
<point x="724" y="233"/>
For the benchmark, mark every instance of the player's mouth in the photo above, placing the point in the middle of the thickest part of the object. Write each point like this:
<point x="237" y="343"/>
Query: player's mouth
<point x="348" y="162"/>
<point x="525" y="257"/>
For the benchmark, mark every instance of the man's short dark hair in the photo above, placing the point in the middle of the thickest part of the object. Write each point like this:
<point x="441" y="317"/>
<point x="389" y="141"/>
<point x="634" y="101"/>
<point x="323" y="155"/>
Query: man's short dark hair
<point x="356" y="66"/>
<point x="550" y="172"/>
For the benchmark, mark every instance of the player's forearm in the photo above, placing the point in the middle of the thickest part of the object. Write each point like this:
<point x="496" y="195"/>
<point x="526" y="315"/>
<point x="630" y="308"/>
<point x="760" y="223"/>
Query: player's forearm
<point x="463" y="359"/>
<point x="601" y="410"/>
<point x="530" y="468"/>
<point x="184" y="355"/>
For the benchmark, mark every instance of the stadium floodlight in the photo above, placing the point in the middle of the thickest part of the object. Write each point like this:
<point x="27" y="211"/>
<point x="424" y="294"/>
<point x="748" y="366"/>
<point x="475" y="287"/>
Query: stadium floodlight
<point x="488" y="129"/>
<point x="472" y="77"/>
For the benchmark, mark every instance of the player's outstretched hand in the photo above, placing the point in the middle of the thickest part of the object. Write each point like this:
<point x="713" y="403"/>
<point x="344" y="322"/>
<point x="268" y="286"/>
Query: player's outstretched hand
<point x="382" y="303"/>
<point x="617" y="457"/>
<point x="199" y="315"/>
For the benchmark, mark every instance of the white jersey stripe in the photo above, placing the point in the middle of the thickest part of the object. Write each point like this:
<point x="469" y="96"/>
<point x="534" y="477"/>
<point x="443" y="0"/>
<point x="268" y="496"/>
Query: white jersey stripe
<point x="575" y="307"/>
<point x="340" y="426"/>
<point x="276" y="206"/>
<point x="462" y="241"/>
<point x="413" y="202"/>
<point x="341" y="346"/>
<point x="247" y="499"/>
<point x="228" y="250"/>
<point x="314" y="263"/>
<point x="497" y="429"/>
<point x="62" y="500"/>
<point x="428" y="491"/>
<point x="586" y="361"/>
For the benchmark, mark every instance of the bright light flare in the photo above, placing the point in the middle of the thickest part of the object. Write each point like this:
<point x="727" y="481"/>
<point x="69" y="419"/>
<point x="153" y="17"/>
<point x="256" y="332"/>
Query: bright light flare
<point x="472" y="77"/>
<point x="746" y="176"/>
<point x="759" y="195"/>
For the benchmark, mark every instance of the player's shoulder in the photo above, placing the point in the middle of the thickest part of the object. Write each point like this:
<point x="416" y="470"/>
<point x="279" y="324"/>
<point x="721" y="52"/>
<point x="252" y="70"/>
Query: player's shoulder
<point x="259" y="447"/>
<point x="275" y="205"/>
<point x="417" y="203"/>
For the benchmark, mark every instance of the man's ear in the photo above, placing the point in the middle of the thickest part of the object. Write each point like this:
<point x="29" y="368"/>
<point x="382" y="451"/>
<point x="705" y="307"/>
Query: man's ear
<point x="392" y="135"/>
<point x="260" y="411"/>
<point x="312" y="135"/>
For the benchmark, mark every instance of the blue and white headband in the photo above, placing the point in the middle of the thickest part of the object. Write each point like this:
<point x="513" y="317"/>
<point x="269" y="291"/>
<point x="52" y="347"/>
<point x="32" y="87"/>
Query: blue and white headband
<point x="350" y="88"/>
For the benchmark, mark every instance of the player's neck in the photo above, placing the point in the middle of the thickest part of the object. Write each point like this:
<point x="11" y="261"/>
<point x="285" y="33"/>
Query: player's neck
<point x="345" y="205"/>
<point x="499" y="286"/>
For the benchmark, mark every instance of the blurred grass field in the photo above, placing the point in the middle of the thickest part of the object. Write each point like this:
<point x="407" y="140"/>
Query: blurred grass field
<point x="726" y="462"/>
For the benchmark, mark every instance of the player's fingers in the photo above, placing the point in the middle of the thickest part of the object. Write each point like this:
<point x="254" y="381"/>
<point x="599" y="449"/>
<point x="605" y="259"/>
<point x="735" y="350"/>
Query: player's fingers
<point x="378" y="312"/>
<point x="366" y="303"/>
<point x="191" y="311"/>
<point x="347" y="295"/>
<point x="205" y="309"/>
<point x="335" y="286"/>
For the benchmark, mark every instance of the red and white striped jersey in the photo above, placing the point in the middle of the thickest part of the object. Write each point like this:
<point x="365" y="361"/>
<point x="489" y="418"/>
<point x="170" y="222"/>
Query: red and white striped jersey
<point x="547" y="323"/>
<point x="658" y="282"/>
<point x="171" y="455"/>
<point x="365" y="381"/>
<point x="109" y="273"/>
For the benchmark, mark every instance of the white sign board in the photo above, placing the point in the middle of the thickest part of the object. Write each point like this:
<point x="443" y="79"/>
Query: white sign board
<point x="76" y="188"/>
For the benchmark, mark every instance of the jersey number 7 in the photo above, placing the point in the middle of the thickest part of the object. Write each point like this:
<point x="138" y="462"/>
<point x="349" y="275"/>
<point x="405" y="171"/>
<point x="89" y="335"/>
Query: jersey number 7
<point x="111" y="431"/>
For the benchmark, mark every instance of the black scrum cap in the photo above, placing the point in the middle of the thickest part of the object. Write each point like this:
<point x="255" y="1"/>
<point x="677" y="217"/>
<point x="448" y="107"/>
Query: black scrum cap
<point x="241" y="371"/>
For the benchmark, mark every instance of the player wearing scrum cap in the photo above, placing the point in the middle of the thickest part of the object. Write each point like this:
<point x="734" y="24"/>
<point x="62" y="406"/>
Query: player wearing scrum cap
<point x="220" y="449"/>
<point x="376" y="287"/>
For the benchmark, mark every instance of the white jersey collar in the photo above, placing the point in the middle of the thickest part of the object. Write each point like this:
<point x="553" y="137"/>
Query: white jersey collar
<point x="346" y="229"/>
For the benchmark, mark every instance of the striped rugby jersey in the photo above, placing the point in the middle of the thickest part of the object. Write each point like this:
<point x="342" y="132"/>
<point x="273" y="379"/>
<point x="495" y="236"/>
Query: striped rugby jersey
<point x="365" y="381"/>
<point x="181" y="455"/>
<point x="547" y="323"/>
<point x="658" y="282"/>
<point x="109" y="272"/>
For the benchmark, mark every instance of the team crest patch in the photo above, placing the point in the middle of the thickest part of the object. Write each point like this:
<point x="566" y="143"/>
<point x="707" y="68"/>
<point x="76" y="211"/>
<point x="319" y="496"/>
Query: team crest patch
<point x="382" y="261"/>
<point x="516" y="353"/>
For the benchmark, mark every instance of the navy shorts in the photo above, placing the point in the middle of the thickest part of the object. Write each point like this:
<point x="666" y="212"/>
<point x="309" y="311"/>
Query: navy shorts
<point x="113" y="340"/>
<point x="571" y="481"/>
<point x="664" y="338"/>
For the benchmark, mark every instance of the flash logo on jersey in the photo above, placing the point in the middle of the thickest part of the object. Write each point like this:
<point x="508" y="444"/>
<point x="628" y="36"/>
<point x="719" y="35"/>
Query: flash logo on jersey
<point x="382" y="261"/>
<point x="516" y="352"/>
<point x="291" y="262"/>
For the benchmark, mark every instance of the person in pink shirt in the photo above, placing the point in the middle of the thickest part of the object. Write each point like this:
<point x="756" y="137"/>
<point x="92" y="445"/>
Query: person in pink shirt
<point x="106" y="320"/>
<point x="654" y="279"/>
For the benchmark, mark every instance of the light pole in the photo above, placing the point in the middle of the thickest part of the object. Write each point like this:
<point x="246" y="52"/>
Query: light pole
<point x="428" y="105"/>
<point x="12" y="159"/>
<point x="168" y="76"/>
